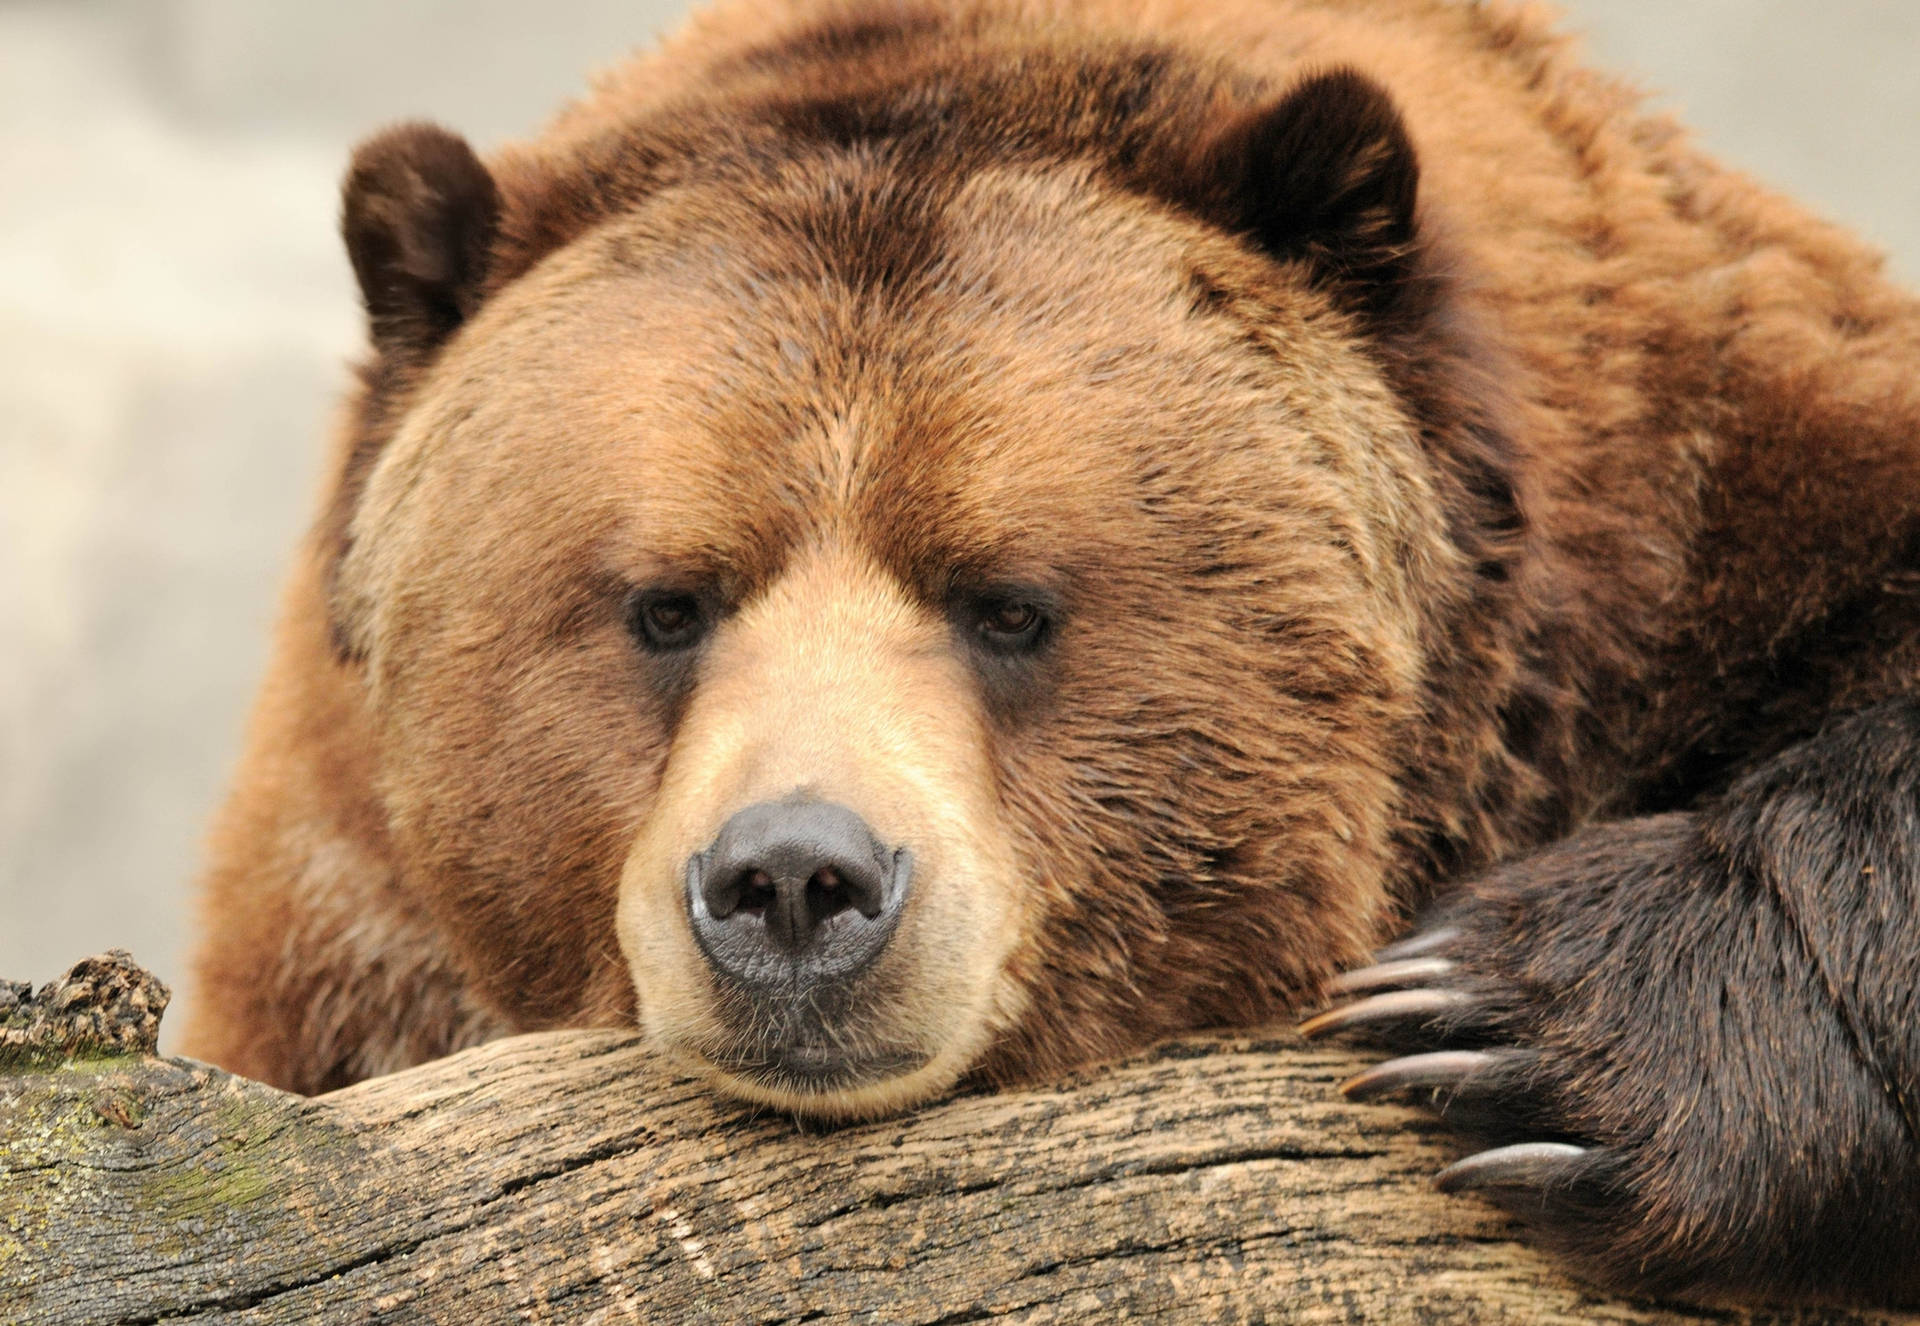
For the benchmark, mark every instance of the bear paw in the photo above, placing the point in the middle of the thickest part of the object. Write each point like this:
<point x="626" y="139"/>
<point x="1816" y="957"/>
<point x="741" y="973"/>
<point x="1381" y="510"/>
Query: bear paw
<point x="1661" y="1087"/>
<point x="1480" y="1072"/>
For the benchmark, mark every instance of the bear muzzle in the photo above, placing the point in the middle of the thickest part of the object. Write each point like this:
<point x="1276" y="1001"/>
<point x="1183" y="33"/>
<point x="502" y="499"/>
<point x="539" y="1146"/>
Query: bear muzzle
<point x="791" y="905"/>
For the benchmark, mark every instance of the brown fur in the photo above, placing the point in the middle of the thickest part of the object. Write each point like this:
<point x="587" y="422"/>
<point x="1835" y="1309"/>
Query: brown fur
<point x="1608" y="501"/>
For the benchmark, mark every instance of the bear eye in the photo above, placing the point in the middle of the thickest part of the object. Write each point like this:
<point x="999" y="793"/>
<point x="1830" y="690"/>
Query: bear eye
<point x="1011" y="625"/>
<point x="665" y="621"/>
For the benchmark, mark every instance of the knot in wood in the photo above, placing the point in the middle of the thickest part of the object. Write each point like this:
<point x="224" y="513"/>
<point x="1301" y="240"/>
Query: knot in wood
<point x="104" y="1005"/>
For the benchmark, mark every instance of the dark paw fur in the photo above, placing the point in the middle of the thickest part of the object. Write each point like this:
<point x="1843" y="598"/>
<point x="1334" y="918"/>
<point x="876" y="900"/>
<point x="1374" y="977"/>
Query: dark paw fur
<point x="1657" y="1073"/>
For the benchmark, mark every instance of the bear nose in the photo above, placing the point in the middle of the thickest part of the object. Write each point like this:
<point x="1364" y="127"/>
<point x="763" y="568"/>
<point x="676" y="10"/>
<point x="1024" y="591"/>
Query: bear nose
<point x="799" y="889"/>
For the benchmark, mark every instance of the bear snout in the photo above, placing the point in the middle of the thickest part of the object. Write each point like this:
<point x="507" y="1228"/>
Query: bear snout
<point x="795" y="898"/>
<point x="819" y="905"/>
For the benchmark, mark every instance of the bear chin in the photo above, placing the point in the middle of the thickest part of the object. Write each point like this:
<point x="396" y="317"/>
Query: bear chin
<point x="820" y="1086"/>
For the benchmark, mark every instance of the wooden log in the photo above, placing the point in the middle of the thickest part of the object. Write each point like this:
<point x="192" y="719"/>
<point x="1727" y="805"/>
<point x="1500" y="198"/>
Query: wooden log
<point x="573" y="1177"/>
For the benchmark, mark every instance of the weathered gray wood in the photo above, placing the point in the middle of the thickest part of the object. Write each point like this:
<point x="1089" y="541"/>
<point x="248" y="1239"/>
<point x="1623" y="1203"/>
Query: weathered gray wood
<point x="574" y="1178"/>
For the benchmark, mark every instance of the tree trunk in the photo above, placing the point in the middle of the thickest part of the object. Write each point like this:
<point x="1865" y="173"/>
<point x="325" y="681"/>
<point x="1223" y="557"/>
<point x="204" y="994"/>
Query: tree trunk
<point x="574" y="1177"/>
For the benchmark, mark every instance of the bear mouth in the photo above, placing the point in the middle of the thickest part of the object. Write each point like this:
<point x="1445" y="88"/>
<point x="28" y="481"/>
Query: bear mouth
<point x="817" y="1068"/>
<point x="798" y="1035"/>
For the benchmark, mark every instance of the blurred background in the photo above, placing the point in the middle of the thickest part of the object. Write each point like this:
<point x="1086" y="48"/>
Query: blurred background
<point x="176" y="317"/>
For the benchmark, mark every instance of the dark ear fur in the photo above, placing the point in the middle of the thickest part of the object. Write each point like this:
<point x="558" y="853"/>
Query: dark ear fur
<point x="419" y="215"/>
<point x="1327" y="175"/>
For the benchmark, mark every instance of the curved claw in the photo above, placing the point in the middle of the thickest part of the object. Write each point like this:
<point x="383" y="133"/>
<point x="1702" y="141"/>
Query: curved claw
<point x="1389" y="1007"/>
<point x="1406" y="971"/>
<point x="1523" y="1165"/>
<point x="1442" y="1068"/>
<point x="1419" y="945"/>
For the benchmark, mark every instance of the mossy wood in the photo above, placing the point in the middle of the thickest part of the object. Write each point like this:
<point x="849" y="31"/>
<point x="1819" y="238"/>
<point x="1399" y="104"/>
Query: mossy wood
<point x="572" y="1177"/>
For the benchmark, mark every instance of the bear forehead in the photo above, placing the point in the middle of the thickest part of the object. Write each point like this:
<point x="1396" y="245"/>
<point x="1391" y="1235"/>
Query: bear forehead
<point x="999" y="375"/>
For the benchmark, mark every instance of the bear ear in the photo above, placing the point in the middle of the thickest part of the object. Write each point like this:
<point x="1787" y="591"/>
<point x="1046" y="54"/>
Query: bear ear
<point x="419" y="214"/>
<point x="1327" y="174"/>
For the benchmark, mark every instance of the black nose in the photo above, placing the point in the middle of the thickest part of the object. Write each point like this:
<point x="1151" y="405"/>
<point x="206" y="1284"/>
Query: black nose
<point x="795" y="892"/>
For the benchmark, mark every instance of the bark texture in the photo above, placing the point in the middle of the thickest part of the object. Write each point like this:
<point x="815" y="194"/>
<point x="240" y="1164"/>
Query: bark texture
<point x="573" y="1177"/>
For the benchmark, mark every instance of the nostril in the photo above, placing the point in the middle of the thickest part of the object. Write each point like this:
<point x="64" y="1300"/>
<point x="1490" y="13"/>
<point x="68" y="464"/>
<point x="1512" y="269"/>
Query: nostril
<point x="830" y="893"/>
<point x="729" y="893"/>
<point x="756" y="892"/>
<point x="827" y="895"/>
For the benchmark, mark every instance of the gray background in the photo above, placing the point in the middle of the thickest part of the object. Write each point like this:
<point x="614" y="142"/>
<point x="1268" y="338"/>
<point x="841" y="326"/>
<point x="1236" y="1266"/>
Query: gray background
<point x="175" y="316"/>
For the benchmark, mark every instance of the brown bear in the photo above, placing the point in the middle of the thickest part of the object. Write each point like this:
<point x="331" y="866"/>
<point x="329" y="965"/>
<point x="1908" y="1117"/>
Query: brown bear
<point x="901" y="542"/>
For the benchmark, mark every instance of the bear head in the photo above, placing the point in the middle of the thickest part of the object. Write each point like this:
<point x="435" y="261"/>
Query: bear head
<point x="933" y="575"/>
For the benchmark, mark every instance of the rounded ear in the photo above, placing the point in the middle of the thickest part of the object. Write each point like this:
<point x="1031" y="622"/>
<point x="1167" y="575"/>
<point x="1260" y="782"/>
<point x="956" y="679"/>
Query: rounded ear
<point x="1328" y="175"/>
<point x="419" y="214"/>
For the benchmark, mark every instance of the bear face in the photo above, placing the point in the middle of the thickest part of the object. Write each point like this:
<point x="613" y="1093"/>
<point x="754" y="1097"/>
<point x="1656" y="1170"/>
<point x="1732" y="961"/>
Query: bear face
<point x="1076" y="548"/>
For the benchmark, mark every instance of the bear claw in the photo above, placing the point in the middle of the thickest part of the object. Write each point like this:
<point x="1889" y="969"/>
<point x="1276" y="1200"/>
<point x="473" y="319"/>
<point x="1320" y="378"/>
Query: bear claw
<point x="1441" y="1068"/>
<point x="1390" y="1007"/>
<point x="1418" y="945"/>
<point x="1522" y="1165"/>
<point x="1404" y="971"/>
